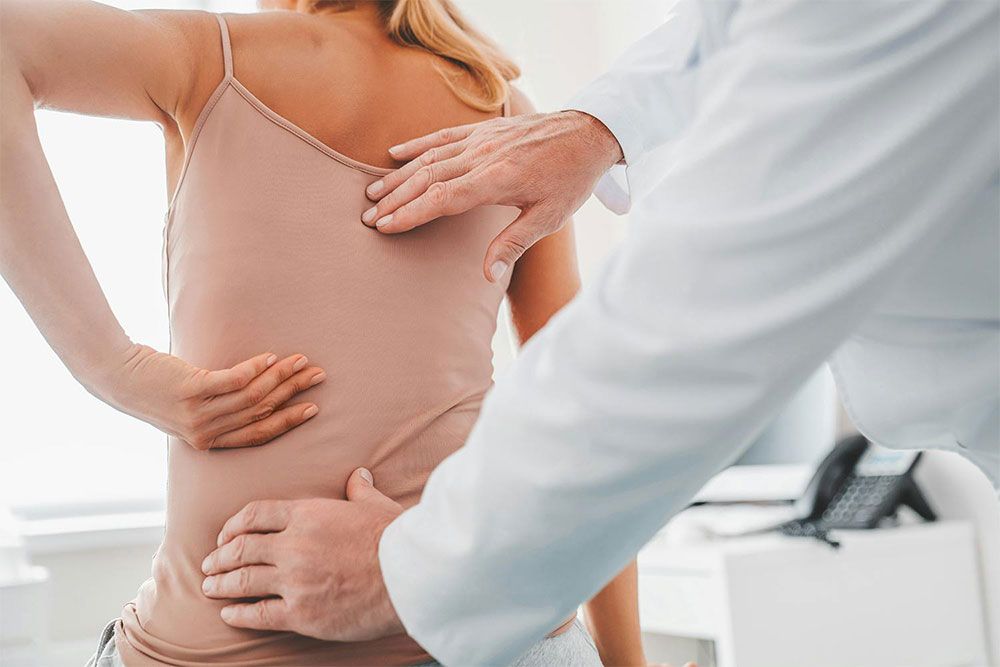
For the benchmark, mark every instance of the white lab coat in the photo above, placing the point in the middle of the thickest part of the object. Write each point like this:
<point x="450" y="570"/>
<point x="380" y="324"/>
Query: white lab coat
<point x="833" y="187"/>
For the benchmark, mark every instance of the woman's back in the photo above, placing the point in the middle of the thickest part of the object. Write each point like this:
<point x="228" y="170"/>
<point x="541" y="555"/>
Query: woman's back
<point x="264" y="248"/>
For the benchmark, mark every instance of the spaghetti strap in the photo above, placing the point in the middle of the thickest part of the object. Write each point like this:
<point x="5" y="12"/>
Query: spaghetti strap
<point x="227" y="49"/>
<point x="506" y="107"/>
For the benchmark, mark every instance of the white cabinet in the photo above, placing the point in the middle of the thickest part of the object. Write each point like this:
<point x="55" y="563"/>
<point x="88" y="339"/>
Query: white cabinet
<point x="895" y="597"/>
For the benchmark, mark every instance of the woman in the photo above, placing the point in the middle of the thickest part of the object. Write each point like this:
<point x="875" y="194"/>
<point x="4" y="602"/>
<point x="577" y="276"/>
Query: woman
<point x="264" y="245"/>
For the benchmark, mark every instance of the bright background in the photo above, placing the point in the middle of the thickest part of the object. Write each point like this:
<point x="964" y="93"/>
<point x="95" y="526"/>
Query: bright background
<point x="60" y="443"/>
<point x="88" y="482"/>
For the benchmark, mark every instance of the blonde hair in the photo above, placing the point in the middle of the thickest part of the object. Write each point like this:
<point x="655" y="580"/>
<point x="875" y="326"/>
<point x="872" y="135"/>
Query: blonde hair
<point x="438" y="27"/>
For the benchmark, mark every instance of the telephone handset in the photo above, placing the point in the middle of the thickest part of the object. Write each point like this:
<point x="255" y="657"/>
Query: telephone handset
<point x="856" y="486"/>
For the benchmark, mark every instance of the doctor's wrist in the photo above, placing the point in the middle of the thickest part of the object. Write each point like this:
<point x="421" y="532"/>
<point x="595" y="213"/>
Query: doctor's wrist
<point x="607" y="151"/>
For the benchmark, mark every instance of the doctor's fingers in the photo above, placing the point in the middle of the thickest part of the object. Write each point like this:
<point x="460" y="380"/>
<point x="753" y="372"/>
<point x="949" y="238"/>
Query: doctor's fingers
<point x="416" y="183"/>
<point x="247" y="582"/>
<point x="442" y="198"/>
<point x="391" y="182"/>
<point x="243" y="550"/>
<point x="257" y="516"/>
<point x="411" y="149"/>
<point x="534" y="224"/>
<point x="269" y="614"/>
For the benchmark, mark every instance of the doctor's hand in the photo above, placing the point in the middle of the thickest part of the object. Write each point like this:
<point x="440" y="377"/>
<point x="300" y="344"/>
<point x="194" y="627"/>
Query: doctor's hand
<point x="544" y="164"/>
<point x="242" y="406"/>
<point x="312" y="563"/>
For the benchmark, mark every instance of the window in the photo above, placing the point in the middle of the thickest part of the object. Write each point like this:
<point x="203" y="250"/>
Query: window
<point x="61" y="447"/>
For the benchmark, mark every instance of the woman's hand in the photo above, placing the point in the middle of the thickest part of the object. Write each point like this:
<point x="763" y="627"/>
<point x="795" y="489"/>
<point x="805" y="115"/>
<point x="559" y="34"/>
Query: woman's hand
<point x="242" y="406"/>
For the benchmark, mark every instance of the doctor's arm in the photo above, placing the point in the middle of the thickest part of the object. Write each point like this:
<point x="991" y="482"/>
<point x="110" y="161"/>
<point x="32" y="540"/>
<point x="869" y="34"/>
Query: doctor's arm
<point x="543" y="281"/>
<point x="810" y="180"/>
<point x="90" y="58"/>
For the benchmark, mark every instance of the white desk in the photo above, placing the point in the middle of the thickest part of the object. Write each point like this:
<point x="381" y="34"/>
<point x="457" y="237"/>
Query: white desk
<point x="897" y="597"/>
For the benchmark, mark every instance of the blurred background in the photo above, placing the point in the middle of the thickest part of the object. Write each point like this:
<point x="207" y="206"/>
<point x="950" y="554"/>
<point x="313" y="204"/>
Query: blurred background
<point x="78" y="536"/>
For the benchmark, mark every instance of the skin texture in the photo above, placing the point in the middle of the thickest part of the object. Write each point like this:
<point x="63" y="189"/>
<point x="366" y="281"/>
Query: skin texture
<point x="161" y="67"/>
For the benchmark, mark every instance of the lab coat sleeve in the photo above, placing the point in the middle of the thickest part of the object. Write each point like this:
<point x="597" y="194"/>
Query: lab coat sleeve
<point x="646" y="98"/>
<point x="834" y="144"/>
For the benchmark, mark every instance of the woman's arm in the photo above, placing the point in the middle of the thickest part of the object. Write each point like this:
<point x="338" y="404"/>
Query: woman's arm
<point x="544" y="280"/>
<point x="90" y="58"/>
<point x="613" y="619"/>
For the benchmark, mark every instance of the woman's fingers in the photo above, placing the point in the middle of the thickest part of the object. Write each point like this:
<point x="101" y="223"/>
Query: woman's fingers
<point x="279" y="422"/>
<point x="258" y="389"/>
<point x="239" y="376"/>
<point x="382" y="188"/>
<point x="305" y="379"/>
<point x="411" y="149"/>
<point x="419" y="182"/>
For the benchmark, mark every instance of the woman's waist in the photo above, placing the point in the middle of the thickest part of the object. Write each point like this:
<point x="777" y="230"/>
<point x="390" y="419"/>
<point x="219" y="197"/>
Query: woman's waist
<point x="172" y="615"/>
<point x="179" y="633"/>
<point x="315" y="459"/>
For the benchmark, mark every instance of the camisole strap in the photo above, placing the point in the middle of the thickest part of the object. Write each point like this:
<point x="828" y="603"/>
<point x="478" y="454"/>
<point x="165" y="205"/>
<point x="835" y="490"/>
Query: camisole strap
<point x="506" y="107"/>
<point x="227" y="49"/>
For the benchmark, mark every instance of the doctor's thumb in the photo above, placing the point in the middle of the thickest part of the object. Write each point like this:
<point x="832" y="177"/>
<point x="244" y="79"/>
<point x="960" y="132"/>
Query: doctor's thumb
<point x="532" y="225"/>
<point x="361" y="488"/>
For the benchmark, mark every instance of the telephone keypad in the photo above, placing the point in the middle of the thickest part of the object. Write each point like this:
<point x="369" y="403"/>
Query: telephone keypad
<point x="857" y="503"/>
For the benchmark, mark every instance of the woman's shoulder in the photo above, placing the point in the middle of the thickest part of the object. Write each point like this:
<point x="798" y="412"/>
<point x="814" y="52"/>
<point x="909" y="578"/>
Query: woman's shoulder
<point x="519" y="103"/>
<point x="276" y="28"/>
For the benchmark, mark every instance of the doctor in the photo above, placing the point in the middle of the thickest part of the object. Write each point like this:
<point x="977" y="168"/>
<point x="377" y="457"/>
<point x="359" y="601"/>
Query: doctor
<point x="833" y="191"/>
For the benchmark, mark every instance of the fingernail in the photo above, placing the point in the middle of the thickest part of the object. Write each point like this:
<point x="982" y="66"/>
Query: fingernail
<point x="383" y="221"/>
<point x="498" y="269"/>
<point x="300" y="364"/>
<point x="395" y="149"/>
<point x="366" y="475"/>
<point x="271" y="359"/>
<point x="207" y="584"/>
<point x="368" y="215"/>
<point x="310" y="412"/>
<point x="206" y="565"/>
<point x="226" y="614"/>
<point x="319" y="377"/>
<point x="375" y="187"/>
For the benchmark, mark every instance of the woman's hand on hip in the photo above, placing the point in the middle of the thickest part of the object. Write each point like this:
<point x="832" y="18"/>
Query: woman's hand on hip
<point x="544" y="164"/>
<point x="242" y="406"/>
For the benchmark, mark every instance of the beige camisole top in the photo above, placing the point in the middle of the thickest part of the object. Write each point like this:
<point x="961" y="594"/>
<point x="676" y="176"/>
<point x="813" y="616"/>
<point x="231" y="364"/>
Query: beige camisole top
<point x="265" y="250"/>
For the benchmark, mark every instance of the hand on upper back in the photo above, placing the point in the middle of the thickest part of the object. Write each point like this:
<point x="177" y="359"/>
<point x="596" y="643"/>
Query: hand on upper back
<point x="242" y="406"/>
<point x="544" y="164"/>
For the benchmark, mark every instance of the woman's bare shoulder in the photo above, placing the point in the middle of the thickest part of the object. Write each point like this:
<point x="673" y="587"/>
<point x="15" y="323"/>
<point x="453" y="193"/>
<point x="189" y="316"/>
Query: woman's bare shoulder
<point x="520" y="103"/>
<point x="285" y="31"/>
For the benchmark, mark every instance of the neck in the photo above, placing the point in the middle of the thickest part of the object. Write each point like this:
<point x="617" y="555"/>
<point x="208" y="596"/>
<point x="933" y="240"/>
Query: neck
<point x="362" y="9"/>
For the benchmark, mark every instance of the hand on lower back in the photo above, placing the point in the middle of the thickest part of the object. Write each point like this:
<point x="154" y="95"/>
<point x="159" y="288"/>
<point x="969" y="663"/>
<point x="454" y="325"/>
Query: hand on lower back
<point x="242" y="406"/>
<point x="544" y="164"/>
<point x="308" y="566"/>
